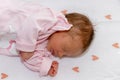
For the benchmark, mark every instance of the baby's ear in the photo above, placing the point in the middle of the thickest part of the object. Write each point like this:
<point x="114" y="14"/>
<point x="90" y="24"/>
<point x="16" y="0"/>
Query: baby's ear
<point x="64" y="12"/>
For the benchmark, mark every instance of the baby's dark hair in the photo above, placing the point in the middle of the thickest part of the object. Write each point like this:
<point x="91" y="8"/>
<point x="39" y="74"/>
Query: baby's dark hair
<point x="82" y="27"/>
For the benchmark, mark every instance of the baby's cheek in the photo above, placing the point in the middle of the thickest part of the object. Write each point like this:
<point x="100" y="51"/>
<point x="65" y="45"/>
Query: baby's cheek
<point x="60" y="54"/>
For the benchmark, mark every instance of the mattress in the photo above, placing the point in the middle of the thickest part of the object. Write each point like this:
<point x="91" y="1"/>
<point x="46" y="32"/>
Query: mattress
<point x="101" y="61"/>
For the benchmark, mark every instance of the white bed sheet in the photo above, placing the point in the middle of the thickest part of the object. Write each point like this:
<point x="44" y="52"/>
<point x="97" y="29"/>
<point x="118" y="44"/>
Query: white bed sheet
<point x="106" y="66"/>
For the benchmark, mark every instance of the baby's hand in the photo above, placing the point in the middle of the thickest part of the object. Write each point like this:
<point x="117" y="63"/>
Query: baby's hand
<point x="26" y="55"/>
<point x="54" y="68"/>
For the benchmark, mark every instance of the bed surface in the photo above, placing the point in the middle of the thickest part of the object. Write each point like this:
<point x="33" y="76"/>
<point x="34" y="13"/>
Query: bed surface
<point x="100" y="62"/>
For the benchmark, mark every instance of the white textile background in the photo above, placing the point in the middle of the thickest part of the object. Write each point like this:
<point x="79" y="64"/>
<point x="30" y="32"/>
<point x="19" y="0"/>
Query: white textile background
<point x="107" y="31"/>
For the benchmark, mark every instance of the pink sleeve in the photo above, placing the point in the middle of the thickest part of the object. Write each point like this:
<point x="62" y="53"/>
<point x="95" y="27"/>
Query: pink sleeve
<point x="45" y="67"/>
<point x="40" y="64"/>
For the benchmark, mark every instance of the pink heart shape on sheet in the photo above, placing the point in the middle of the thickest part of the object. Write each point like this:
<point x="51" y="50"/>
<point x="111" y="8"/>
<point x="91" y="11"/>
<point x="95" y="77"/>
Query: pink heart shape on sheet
<point x="94" y="57"/>
<point x="3" y="75"/>
<point x="108" y="17"/>
<point x="75" y="69"/>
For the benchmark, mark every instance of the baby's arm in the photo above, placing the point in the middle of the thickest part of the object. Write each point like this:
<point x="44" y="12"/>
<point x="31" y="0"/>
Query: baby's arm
<point x="54" y="66"/>
<point x="26" y="55"/>
<point x="43" y="65"/>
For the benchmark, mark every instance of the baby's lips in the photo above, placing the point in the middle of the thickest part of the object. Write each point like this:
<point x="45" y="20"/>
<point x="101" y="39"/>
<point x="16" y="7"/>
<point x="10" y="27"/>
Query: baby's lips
<point x="53" y="53"/>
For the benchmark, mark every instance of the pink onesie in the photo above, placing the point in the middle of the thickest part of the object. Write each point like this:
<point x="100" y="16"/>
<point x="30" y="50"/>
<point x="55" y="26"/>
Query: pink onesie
<point x="32" y="24"/>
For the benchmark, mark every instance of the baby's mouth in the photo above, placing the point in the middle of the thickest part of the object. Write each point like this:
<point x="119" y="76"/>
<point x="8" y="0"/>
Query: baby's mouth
<point x="53" y="53"/>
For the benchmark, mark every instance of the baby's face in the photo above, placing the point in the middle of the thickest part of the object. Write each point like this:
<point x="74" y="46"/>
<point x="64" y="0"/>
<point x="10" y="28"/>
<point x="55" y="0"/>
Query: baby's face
<point x="62" y="44"/>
